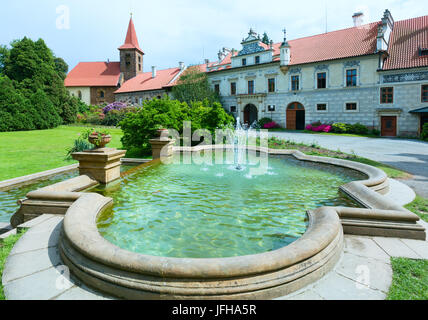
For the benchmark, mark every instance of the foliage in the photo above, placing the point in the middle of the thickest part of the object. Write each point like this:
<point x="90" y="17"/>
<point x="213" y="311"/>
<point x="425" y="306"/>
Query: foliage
<point x="357" y="128"/>
<point x="36" y="76"/>
<point x="271" y="125"/>
<point x="265" y="39"/>
<point x="193" y="86"/>
<point x="5" y="248"/>
<point x="114" y="106"/>
<point x="420" y="207"/>
<point x="80" y="144"/>
<point x="424" y="134"/>
<point x="319" y="128"/>
<point x="409" y="280"/>
<point x="263" y="121"/>
<point x="140" y="126"/>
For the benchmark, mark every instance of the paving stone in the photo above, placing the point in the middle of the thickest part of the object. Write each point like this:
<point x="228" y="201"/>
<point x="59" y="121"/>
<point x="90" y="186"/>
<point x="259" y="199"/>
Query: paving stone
<point x="365" y="247"/>
<point x="42" y="285"/>
<point x="34" y="222"/>
<point x="40" y="237"/>
<point x="27" y="263"/>
<point x="336" y="287"/>
<point x="396" y="248"/>
<point x="420" y="247"/>
<point x="374" y="273"/>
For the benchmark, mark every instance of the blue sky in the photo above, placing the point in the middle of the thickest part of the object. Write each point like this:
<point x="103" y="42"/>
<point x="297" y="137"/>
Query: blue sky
<point x="181" y="30"/>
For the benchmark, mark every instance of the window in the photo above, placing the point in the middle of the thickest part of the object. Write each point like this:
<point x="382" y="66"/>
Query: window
<point x="233" y="109"/>
<point x="351" y="106"/>
<point x="79" y="94"/>
<point x="321" y="107"/>
<point x="271" y="108"/>
<point x="139" y="67"/>
<point x="233" y="88"/>
<point x="101" y="94"/>
<point x="217" y="88"/>
<point x="387" y="95"/>
<point x="139" y="59"/>
<point x="322" y="80"/>
<point x="271" y="85"/>
<point x="244" y="62"/>
<point x="294" y="83"/>
<point x="424" y="94"/>
<point x="351" y="78"/>
<point x="257" y="59"/>
<point x="251" y="87"/>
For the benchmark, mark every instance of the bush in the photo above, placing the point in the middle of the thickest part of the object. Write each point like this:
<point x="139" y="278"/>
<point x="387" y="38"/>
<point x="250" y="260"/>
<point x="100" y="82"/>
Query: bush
<point x="339" y="128"/>
<point x="263" y="121"/>
<point x="359" y="128"/>
<point x="319" y="128"/>
<point x="271" y="125"/>
<point x="424" y="133"/>
<point x="140" y="126"/>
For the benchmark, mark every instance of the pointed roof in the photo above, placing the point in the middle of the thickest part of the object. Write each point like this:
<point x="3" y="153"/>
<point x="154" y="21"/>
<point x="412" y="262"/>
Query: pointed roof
<point x="131" y="41"/>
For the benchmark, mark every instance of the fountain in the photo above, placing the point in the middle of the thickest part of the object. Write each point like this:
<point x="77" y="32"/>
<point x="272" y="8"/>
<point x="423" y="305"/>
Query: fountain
<point x="240" y="138"/>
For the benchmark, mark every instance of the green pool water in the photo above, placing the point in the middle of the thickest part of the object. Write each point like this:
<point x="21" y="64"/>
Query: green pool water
<point x="212" y="211"/>
<point x="9" y="198"/>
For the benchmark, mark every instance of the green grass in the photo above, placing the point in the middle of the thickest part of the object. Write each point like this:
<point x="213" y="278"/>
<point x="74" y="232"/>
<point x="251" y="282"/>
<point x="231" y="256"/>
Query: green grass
<point x="409" y="280"/>
<point x="420" y="207"/>
<point x="5" y="248"/>
<point x="28" y="152"/>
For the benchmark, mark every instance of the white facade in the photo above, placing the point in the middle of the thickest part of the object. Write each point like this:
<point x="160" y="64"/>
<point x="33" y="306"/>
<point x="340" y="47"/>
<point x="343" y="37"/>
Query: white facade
<point x="83" y="93"/>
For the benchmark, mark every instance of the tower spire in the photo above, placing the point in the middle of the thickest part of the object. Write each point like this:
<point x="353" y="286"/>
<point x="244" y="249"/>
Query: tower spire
<point x="131" y="40"/>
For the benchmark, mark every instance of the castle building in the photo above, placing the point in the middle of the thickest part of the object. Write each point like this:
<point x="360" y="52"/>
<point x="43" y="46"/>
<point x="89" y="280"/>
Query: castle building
<point x="374" y="74"/>
<point x="98" y="83"/>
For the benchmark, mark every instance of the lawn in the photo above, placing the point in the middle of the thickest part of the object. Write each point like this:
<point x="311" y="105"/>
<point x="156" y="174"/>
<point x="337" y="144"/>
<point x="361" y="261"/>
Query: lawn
<point x="5" y="248"/>
<point x="419" y="207"/>
<point x="27" y="152"/>
<point x="409" y="280"/>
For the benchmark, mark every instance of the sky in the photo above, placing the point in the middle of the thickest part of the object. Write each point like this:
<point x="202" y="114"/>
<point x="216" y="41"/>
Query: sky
<point x="170" y="31"/>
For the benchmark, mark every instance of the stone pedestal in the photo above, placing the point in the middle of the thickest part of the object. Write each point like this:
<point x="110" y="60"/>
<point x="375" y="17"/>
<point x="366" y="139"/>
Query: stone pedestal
<point x="162" y="148"/>
<point x="102" y="165"/>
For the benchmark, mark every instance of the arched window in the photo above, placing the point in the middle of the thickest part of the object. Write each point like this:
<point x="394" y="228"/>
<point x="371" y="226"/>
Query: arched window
<point x="79" y="94"/>
<point x="101" y="94"/>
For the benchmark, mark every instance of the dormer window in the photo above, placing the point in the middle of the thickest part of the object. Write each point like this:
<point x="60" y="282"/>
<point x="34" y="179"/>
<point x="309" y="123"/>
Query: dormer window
<point x="244" y="62"/>
<point x="257" y="59"/>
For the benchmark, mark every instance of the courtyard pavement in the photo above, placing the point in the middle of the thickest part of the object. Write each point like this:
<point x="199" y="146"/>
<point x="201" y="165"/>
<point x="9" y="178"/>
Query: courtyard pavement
<point x="408" y="155"/>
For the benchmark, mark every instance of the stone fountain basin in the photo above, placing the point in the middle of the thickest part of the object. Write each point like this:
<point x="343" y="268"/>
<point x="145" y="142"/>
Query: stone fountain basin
<point x="106" y="267"/>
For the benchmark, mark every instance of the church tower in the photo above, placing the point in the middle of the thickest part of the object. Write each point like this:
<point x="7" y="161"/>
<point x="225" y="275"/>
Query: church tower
<point x="131" y="56"/>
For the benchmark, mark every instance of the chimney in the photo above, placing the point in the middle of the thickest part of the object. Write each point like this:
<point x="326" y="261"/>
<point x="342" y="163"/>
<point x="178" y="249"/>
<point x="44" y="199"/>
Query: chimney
<point x="181" y="65"/>
<point x="153" y="72"/>
<point x="358" y="18"/>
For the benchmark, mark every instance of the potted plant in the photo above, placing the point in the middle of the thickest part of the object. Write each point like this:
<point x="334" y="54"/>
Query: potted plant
<point x="99" y="138"/>
<point x="162" y="132"/>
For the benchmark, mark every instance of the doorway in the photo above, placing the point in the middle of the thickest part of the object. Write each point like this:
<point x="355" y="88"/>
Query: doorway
<point x="389" y="126"/>
<point x="295" y="116"/>
<point x="250" y="114"/>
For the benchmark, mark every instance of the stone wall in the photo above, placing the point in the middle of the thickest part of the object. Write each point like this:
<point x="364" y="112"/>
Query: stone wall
<point x="141" y="96"/>
<point x="109" y="96"/>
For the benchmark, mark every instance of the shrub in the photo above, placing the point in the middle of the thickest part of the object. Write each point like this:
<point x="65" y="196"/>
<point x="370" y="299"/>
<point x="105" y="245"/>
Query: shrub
<point x="339" y="128"/>
<point x="271" y="125"/>
<point x="424" y="134"/>
<point x="115" y="116"/>
<point x="319" y="128"/>
<point x="264" y="121"/>
<point x="140" y="126"/>
<point x="359" y="128"/>
<point x="80" y="144"/>
<point x="114" y="106"/>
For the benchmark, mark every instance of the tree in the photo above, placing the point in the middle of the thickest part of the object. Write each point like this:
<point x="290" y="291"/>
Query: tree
<point x="39" y="77"/>
<point x="192" y="86"/>
<point x="265" y="39"/>
<point x="4" y="54"/>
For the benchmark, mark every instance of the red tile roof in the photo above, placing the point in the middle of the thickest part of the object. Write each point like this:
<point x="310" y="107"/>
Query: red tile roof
<point x="145" y="82"/>
<point x="131" y="40"/>
<point x="94" y="74"/>
<point x="406" y="39"/>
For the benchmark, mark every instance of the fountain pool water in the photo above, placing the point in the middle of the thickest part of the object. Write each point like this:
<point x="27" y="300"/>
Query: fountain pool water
<point x="216" y="211"/>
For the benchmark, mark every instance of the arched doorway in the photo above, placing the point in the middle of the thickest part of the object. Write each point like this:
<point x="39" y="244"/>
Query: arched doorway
<point x="250" y="114"/>
<point x="295" y="116"/>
